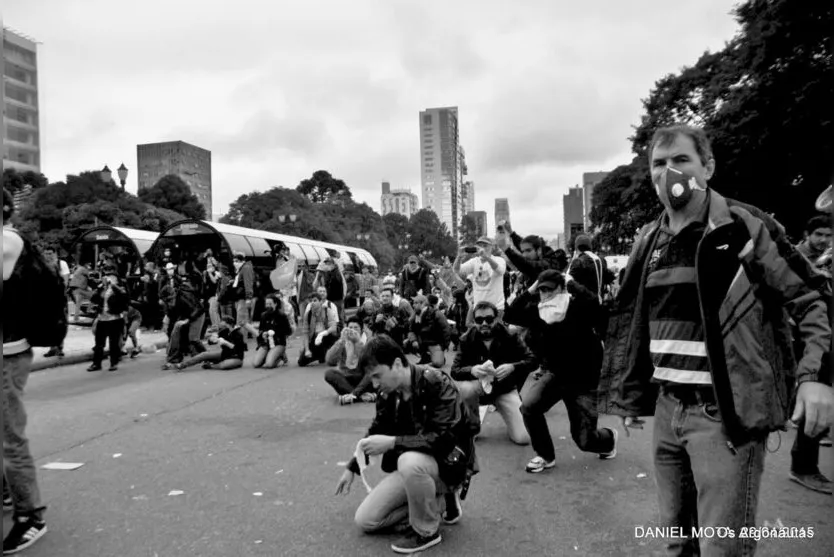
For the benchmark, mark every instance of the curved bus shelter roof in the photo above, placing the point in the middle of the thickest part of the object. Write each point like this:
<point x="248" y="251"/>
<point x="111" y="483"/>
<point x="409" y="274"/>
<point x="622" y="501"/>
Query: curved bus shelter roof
<point x="139" y="240"/>
<point x="259" y="244"/>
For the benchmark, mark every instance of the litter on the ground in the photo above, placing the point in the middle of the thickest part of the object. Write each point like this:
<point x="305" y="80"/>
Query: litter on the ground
<point x="143" y="415"/>
<point x="342" y="463"/>
<point x="174" y="492"/>
<point x="279" y="471"/>
<point x="117" y="455"/>
<point x="641" y="475"/>
<point x="257" y="494"/>
<point x="140" y="498"/>
<point x="562" y="437"/>
<point x="62" y="466"/>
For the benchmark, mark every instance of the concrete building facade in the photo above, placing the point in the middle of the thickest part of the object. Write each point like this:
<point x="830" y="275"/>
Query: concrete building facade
<point x="480" y="218"/>
<point x="400" y="201"/>
<point x="502" y="210"/>
<point x="589" y="182"/>
<point x="21" y="111"/>
<point x="191" y="163"/>
<point x="467" y="198"/>
<point x="442" y="165"/>
<point x="573" y="213"/>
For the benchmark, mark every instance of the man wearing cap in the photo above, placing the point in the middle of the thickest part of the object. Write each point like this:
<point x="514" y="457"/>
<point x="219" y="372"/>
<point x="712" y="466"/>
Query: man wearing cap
<point x="587" y="268"/>
<point x="414" y="279"/>
<point x="112" y="300"/>
<point x="486" y="271"/>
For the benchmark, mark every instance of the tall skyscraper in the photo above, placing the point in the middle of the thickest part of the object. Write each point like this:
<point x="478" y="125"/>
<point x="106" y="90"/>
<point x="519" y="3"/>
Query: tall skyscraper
<point x="502" y="210"/>
<point x="574" y="215"/>
<point x="468" y="197"/>
<point x="480" y="218"/>
<point x="442" y="165"/>
<point x="21" y="112"/>
<point x="400" y="201"/>
<point x="189" y="162"/>
<point x="589" y="182"/>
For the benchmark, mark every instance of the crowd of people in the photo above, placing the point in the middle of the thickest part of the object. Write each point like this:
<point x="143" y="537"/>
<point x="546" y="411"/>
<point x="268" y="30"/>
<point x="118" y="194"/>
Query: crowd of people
<point x="714" y="301"/>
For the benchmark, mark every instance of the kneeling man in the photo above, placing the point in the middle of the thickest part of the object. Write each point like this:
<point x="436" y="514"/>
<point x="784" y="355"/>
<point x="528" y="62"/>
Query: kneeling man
<point x="425" y="435"/>
<point x="490" y="365"/>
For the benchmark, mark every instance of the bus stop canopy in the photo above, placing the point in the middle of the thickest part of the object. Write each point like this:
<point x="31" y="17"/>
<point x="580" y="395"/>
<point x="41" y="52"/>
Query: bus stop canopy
<point x="139" y="240"/>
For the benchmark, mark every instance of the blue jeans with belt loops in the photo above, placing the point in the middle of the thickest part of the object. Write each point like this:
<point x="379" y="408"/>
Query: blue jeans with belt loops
<point x="702" y="482"/>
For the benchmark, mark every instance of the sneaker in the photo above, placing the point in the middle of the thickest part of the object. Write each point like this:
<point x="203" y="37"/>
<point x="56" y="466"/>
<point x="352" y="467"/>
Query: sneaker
<point x="369" y="397"/>
<point x="538" y="464"/>
<point x="206" y="365"/>
<point x="24" y="532"/>
<point x="346" y="399"/>
<point x="8" y="504"/>
<point x="414" y="542"/>
<point x="134" y="353"/>
<point x="51" y="353"/>
<point x="454" y="508"/>
<point x="815" y="482"/>
<point x="94" y="367"/>
<point x="60" y="353"/>
<point x="114" y="367"/>
<point x="613" y="452"/>
<point x="825" y="442"/>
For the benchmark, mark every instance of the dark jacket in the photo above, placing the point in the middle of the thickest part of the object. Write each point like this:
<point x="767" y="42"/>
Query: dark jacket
<point x="506" y="348"/>
<point x="334" y="282"/>
<point x="532" y="269"/>
<point x="748" y="277"/>
<point x="588" y="272"/>
<point x="391" y="312"/>
<point x="432" y="328"/>
<point x="411" y="283"/>
<point x="117" y="302"/>
<point x="188" y="303"/>
<point x="235" y="336"/>
<point x="167" y="293"/>
<point x="570" y="349"/>
<point x="438" y="421"/>
<point x="274" y="320"/>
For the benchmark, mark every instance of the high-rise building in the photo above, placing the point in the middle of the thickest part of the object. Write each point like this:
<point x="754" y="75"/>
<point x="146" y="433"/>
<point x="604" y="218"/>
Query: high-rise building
<point x="191" y="163"/>
<point x="574" y="215"/>
<point x="480" y="218"/>
<point x="502" y="210"/>
<point x="589" y="182"/>
<point x="442" y="165"/>
<point x="21" y="116"/>
<point x="400" y="201"/>
<point x="468" y="197"/>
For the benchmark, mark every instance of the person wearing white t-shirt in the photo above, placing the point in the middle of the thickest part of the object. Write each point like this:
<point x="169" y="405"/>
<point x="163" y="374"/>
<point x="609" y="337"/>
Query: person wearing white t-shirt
<point x="486" y="271"/>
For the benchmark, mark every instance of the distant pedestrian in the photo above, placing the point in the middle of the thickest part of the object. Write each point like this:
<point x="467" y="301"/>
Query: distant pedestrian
<point x="112" y="300"/>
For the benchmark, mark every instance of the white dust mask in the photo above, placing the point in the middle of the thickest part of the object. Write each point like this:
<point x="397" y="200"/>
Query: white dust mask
<point x="554" y="309"/>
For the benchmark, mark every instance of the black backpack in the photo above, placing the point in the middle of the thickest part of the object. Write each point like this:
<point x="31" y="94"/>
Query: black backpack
<point x="45" y="321"/>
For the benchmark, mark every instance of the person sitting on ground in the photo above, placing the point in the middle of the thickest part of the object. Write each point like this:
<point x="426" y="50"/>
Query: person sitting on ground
<point x="230" y="356"/>
<point x="133" y="321"/>
<point x="390" y="319"/>
<point x="272" y="337"/>
<point x="320" y="328"/>
<point x="490" y="365"/>
<point x="349" y="382"/>
<point x="427" y="454"/>
<point x="428" y="333"/>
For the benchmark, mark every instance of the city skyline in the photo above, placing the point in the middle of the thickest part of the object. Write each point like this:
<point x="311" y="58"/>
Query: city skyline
<point x="270" y="119"/>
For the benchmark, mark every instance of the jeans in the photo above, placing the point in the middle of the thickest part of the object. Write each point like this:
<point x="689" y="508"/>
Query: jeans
<point x="540" y="393"/>
<point x="214" y="311"/>
<point x="19" y="466"/>
<point x="345" y="382"/>
<point x="410" y="492"/>
<point x="507" y="404"/>
<point x="111" y="332"/>
<point x="700" y="481"/>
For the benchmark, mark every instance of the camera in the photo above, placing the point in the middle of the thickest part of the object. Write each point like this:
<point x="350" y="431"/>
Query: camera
<point x="470" y="249"/>
<point x="500" y="228"/>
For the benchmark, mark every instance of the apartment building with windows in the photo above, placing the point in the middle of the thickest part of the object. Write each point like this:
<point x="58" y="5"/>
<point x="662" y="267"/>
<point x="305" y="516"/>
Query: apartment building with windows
<point x="400" y="201"/>
<point x="21" y="112"/>
<point x="191" y="163"/>
<point x="574" y="214"/>
<point x="442" y="165"/>
<point x="589" y="182"/>
<point x="502" y="210"/>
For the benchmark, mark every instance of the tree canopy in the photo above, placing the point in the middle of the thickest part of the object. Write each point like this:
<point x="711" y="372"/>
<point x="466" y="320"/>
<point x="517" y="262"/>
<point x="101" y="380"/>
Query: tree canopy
<point x="170" y="192"/>
<point x="15" y="181"/>
<point x="321" y="187"/>
<point x="764" y="100"/>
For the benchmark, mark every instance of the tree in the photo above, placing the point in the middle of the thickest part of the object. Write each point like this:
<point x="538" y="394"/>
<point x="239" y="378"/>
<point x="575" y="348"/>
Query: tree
<point x="396" y="228"/>
<point x="15" y="181"/>
<point x="170" y="192"/>
<point x="429" y="234"/>
<point x="469" y="230"/>
<point x="324" y="188"/>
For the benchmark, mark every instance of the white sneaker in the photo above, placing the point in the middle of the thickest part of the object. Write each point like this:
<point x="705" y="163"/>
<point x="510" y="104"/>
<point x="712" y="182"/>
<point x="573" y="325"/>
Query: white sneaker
<point x="538" y="464"/>
<point x="613" y="452"/>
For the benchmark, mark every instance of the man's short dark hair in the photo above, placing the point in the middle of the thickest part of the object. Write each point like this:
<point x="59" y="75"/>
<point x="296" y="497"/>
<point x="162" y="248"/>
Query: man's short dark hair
<point x="387" y="289"/>
<point x="536" y="241"/>
<point x="353" y="319"/>
<point x="381" y="350"/>
<point x="817" y="222"/>
<point x="274" y="298"/>
<point x="480" y="306"/>
<point x="230" y="321"/>
<point x="667" y="135"/>
<point x="8" y="204"/>
<point x="433" y="299"/>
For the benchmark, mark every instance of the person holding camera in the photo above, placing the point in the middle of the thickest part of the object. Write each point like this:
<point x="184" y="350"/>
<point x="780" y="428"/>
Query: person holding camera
<point x="390" y="319"/>
<point x="428" y="334"/>
<point x="349" y="382"/>
<point x="486" y="271"/>
<point x="273" y="330"/>
<point x="426" y="453"/>
<point x="112" y="301"/>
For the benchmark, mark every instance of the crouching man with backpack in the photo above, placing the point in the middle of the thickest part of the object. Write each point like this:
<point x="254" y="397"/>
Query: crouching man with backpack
<point x="33" y="315"/>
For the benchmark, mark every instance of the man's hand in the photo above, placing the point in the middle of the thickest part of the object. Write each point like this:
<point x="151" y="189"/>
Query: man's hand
<point x="249" y="303"/>
<point x="506" y="225"/>
<point x="182" y="322"/>
<point x="343" y="487"/>
<point x="479" y="371"/>
<point x="814" y="404"/>
<point x="391" y="323"/>
<point x="502" y="241"/>
<point x="503" y="371"/>
<point x="380" y="318"/>
<point x="633" y="423"/>
<point x="377" y="444"/>
<point x="533" y="288"/>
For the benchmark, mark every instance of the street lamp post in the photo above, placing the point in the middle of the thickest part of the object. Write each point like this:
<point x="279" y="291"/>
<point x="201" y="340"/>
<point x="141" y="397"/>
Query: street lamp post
<point x="106" y="174"/>
<point x="122" y="171"/>
<point x="291" y="218"/>
<point x="363" y="237"/>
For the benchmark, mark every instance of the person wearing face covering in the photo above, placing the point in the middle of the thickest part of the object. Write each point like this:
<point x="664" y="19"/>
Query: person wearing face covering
<point x="561" y="320"/>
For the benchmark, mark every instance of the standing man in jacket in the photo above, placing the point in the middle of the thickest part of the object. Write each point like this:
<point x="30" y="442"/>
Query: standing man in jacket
<point x="490" y="365"/>
<point x="425" y="435"/>
<point x="699" y="338"/>
<point x="112" y="301"/>
<point x="587" y="268"/>
<point x="244" y="293"/>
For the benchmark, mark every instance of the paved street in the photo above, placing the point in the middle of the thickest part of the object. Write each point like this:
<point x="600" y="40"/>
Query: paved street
<point x="256" y="453"/>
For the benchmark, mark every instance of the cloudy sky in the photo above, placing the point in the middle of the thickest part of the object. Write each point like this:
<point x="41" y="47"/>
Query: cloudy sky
<point x="546" y="89"/>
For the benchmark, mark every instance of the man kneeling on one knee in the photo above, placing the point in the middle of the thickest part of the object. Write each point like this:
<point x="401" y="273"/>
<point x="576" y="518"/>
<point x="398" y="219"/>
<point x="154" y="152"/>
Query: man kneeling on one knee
<point x="425" y="435"/>
<point x="489" y="341"/>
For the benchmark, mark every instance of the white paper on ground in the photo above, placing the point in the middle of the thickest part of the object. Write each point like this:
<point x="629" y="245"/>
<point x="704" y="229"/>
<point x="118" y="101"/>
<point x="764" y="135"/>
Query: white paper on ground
<point x="174" y="492"/>
<point x="375" y="460"/>
<point x="62" y="466"/>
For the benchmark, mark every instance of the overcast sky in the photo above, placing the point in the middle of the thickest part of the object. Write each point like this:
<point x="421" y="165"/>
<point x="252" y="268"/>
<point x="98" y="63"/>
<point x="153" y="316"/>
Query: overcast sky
<point x="546" y="89"/>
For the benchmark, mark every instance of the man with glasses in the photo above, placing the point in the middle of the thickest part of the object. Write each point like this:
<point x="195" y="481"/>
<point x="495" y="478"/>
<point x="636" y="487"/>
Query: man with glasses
<point x="490" y="364"/>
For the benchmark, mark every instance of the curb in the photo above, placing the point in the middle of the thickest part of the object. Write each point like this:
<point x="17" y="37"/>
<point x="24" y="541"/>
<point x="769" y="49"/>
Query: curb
<point x="77" y="358"/>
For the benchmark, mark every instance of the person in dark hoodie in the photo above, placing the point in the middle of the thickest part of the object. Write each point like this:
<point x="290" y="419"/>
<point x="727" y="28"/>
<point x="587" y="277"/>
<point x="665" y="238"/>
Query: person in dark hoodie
<point x="560" y="319"/>
<point x="272" y="337"/>
<point x="530" y="254"/>
<point x="429" y="331"/>
<point x="112" y="301"/>
<point x="414" y="278"/>
<point x="188" y="308"/>
<point x="230" y="356"/>
<point x="587" y="268"/>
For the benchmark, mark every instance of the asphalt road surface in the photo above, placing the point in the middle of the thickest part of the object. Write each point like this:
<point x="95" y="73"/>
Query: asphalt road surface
<point x="255" y="455"/>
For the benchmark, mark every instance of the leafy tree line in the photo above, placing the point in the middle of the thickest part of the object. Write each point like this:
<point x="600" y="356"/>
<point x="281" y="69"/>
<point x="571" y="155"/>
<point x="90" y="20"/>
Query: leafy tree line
<point x="764" y="100"/>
